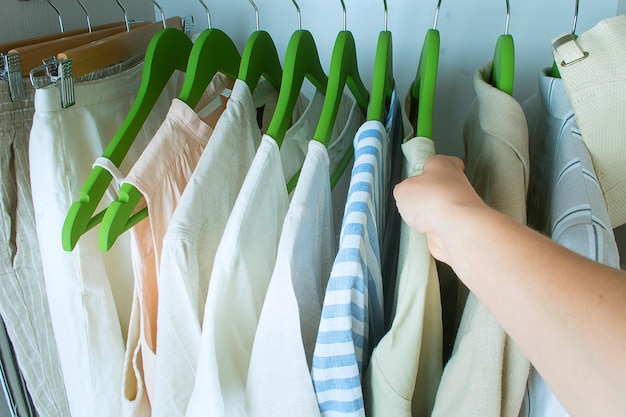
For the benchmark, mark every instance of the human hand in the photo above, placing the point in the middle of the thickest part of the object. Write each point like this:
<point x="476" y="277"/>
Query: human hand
<point x="437" y="202"/>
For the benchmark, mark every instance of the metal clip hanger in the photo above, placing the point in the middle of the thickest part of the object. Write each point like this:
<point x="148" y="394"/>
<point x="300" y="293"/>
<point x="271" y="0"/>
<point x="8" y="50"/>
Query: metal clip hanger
<point x="11" y="72"/>
<point x="58" y="73"/>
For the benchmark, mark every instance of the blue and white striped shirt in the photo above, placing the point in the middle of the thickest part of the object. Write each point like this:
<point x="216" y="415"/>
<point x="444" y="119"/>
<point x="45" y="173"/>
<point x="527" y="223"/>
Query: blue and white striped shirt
<point x="352" y="314"/>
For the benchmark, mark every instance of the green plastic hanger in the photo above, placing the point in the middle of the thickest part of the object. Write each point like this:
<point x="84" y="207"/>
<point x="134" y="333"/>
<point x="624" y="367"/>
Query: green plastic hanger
<point x="503" y="70"/>
<point x="343" y="71"/>
<point x="167" y="51"/>
<point x="260" y="58"/>
<point x="423" y="91"/>
<point x="212" y="52"/>
<point x="301" y="61"/>
<point x="382" y="84"/>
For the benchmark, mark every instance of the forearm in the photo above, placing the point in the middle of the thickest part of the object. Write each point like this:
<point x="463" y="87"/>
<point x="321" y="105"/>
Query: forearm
<point x="568" y="314"/>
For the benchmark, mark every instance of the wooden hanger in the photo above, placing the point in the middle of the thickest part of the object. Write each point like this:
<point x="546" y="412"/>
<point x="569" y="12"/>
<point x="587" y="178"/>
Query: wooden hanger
<point x="31" y="56"/>
<point x="382" y="81"/>
<point x="423" y="91"/>
<point x="212" y="52"/>
<point x="260" y="58"/>
<point x="5" y="47"/>
<point x="167" y="51"/>
<point x="343" y="71"/>
<point x="100" y="54"/>
<point x="503" y="70"/>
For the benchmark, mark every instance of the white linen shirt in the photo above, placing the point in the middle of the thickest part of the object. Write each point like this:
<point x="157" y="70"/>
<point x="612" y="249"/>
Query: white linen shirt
<point x="244" y="264"/>
<point x="192" y="238"/>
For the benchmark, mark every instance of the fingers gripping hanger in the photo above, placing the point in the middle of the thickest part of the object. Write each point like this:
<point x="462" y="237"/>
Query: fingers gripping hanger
<point x="301" y="61"/>
<point x="167" y="51"/>
<point x="554" y="72"/>
<point x="213" y="51"/>
<point x="503" y="70"/>
<point x="343" y="71"/>
<point x="423" y="91"/>
<point x="382" y="85"/>
<point x="260" y="58"/>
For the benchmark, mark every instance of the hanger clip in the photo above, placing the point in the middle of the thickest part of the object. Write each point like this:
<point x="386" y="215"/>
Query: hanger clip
<point x="11" y="71"/>
<point x="567" y="47"/>
<point x="188" y="25"/>
<point x="59" y="73"/>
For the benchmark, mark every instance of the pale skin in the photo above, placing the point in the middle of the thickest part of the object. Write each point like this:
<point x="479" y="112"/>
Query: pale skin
<point x="567" y="313"/>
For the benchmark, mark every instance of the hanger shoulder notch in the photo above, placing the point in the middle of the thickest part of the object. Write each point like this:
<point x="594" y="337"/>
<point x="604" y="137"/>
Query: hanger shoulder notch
<point x="382" y="84"/>
<point x="343" y="71"/>
<point x="423" y="91"/>
<point x="212" y="52"/>
<point x="301" y="61"/>
<point x="260" y="58"/>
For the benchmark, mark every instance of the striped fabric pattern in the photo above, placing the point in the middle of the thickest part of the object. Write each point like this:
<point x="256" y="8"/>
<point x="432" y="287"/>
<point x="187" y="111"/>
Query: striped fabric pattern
<point x="567" y="201"/>
<point x="580" y="218"/>
<point x="352" y="314"/>
<point x="23" y="301"/>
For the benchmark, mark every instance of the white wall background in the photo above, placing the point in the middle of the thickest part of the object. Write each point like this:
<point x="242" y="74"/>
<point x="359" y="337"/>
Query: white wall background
<point x="469" y="29"/>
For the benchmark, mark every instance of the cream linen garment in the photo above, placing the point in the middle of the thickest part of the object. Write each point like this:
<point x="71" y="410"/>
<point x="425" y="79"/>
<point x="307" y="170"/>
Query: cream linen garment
<point x="487" y="373"/>
<point x="89" y="291"/>
<point x="243" y="268"/>
<point x="23" y="303"/>
<point x="405" y="368"/>
<point x="192" y="238"/>
<point x="279" y="380"/>
<point x="161" y="174"/>
<point x="596" y="86"/>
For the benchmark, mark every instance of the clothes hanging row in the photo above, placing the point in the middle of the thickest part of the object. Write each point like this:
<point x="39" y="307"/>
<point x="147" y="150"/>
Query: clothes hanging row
<point x="253" y="309"/>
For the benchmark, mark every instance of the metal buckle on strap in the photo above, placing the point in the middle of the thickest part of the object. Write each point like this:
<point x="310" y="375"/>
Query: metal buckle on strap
<point x="569" y="48"/>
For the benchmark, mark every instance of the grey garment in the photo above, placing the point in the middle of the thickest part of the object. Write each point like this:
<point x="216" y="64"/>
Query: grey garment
<point x="23" y="302"/>
<point x="18" y="402"/>
<point x="566" y="200"/>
